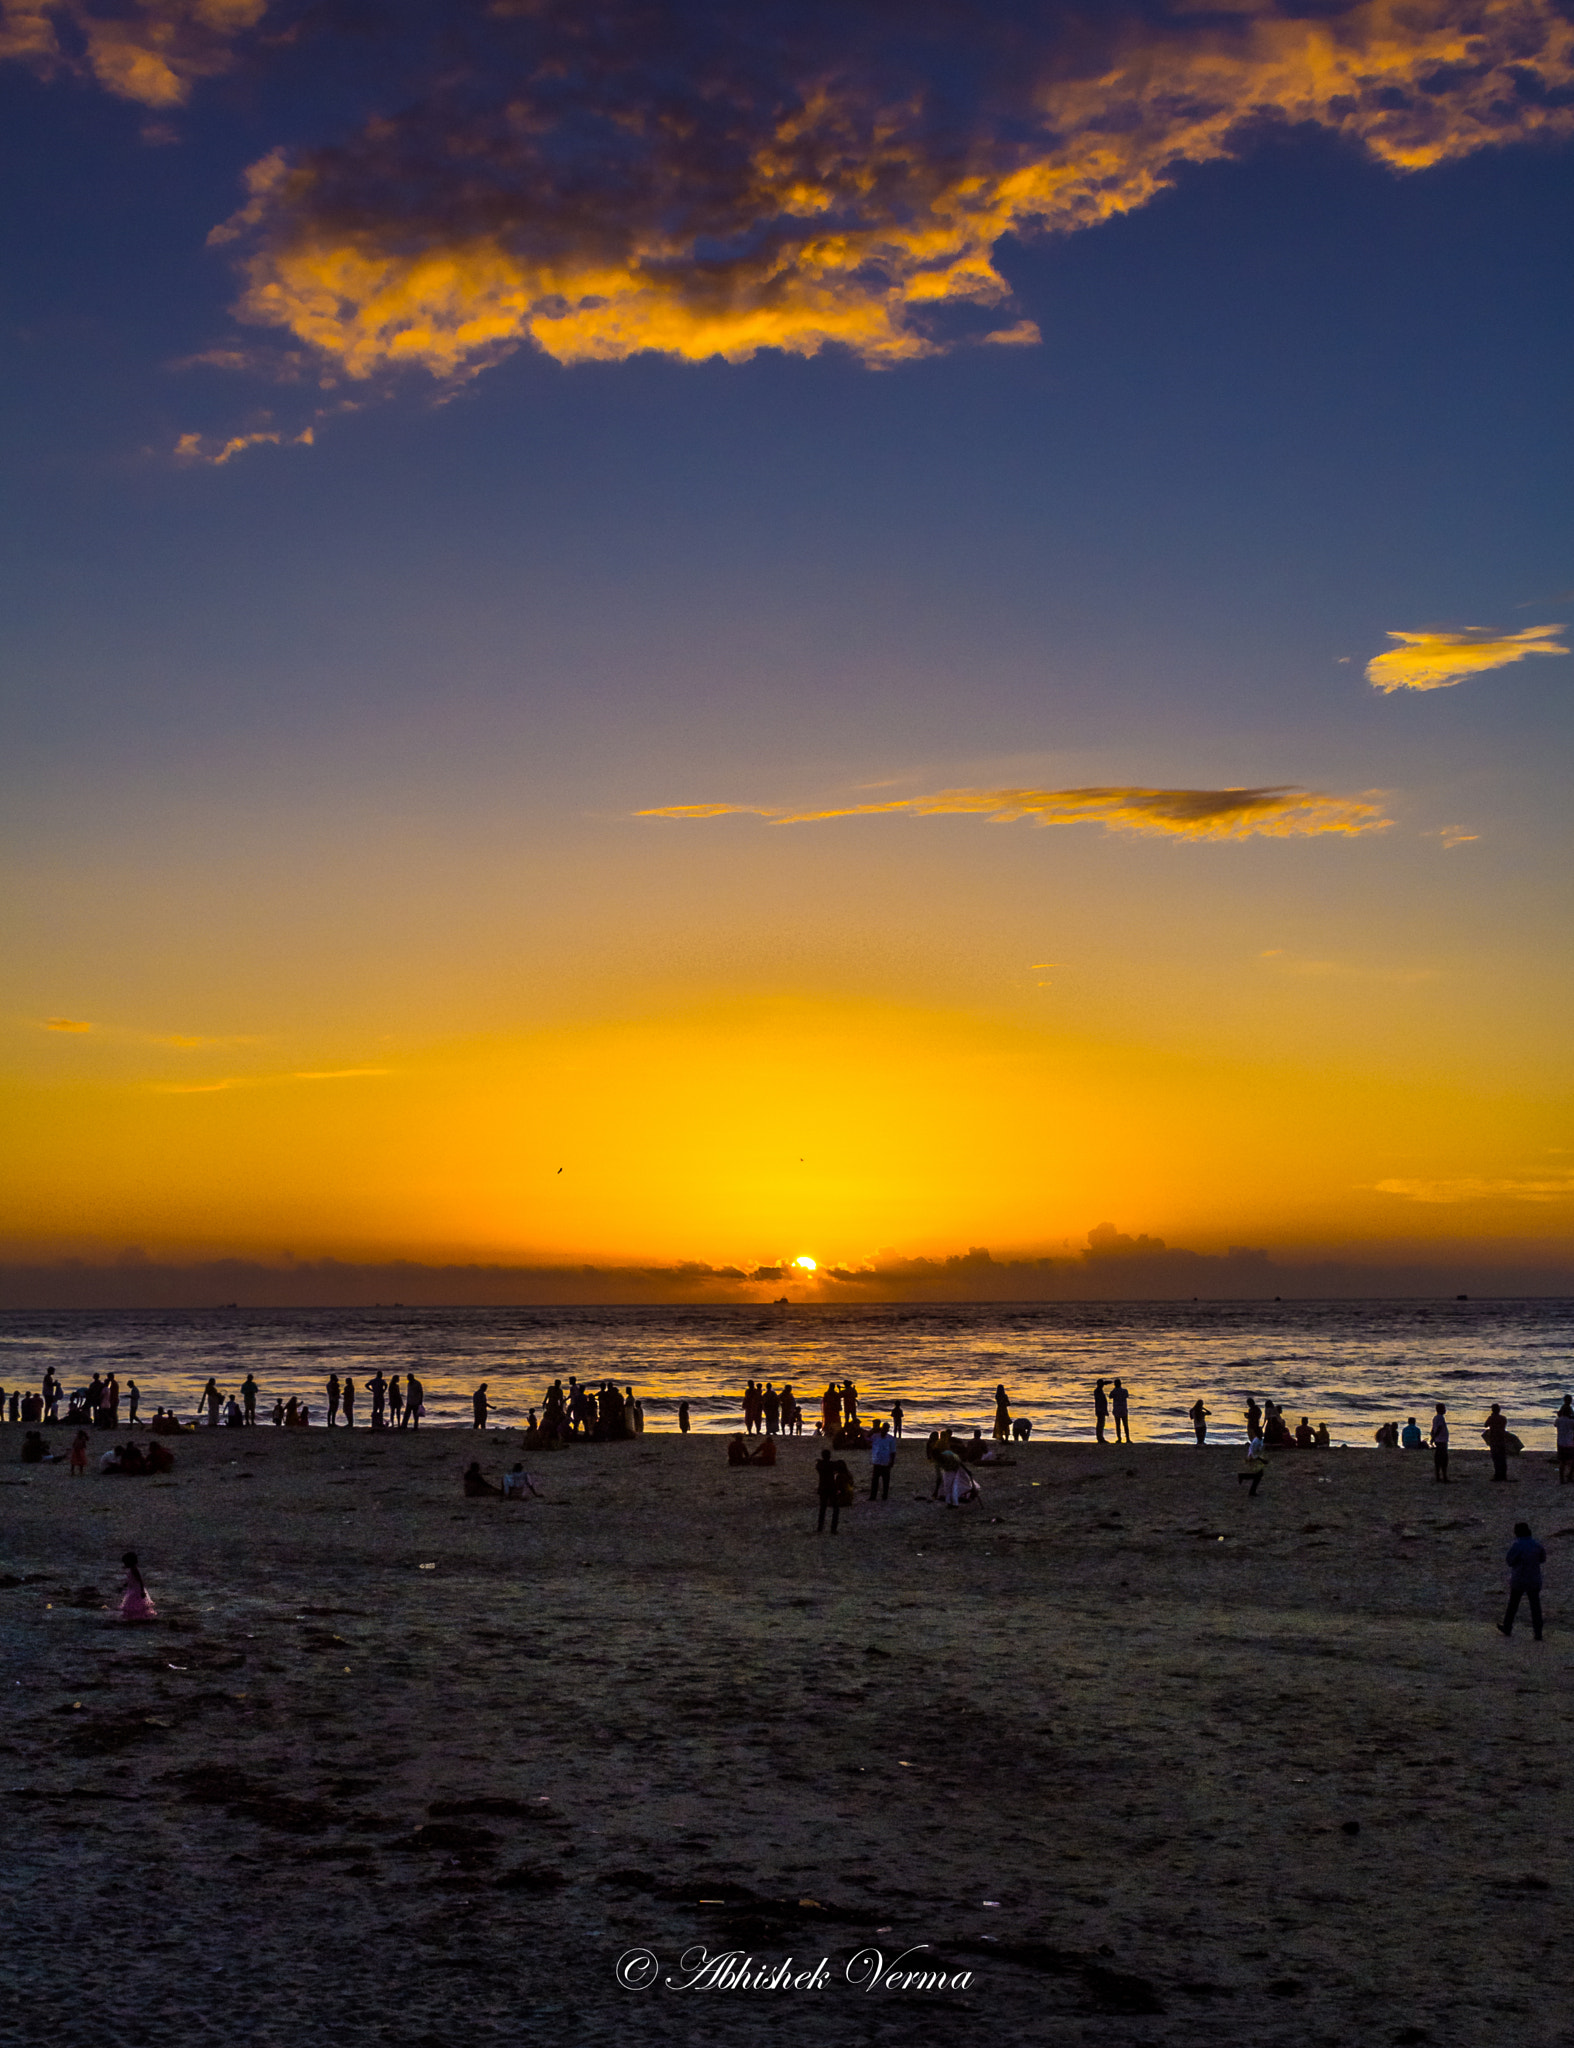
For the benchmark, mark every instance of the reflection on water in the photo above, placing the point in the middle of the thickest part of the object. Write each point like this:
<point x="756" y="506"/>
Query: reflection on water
<point x="1349" y="1363"/>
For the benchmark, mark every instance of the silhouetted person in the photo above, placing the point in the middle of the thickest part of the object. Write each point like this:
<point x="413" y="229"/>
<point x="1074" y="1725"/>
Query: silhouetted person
<point x="395" y="1404"/>
<point x="833" y="1480"/>
<point x="882" y="1456"/>
<point x="773" y="1409"/>
<point x="1002" y="1430"/>
<point x="1439" y="1442"/>
<point x="1495" y="1430"/>
<point x="1253" y="1466"/>
<point x="897" y="1412"/>
<point x="414" y="1402"/>
<point x="1563" y="1421"/>
<point x="1525" y="1559"/>
<point x="333" y="1399"/>
<point x="1117" y="1401"/>
<point x="1100" y="1410"/>
<point x="348" y="1391"/>
<point x="683" y="1418"/>
<point x="475" y="1485"/>
<point x="478" y="1406"/>
<point x="377" y="1387"/>
<point x="1253" y="1417"/>
<point x="133" y="1402"/>
<point x="248" y="1401"/>
<point x="1199" y="1419"/>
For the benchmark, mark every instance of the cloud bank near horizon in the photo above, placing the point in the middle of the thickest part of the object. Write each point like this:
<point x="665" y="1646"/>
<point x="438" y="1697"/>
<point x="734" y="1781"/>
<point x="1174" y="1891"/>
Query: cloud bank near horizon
<point x="1280" y="812"/>
<point x="1113" y="1267"/>
<point x="1436" y="659"/>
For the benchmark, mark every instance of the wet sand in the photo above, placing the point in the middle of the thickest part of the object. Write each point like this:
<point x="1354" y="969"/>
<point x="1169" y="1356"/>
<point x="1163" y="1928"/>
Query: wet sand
<point x="1229" y="1770"/>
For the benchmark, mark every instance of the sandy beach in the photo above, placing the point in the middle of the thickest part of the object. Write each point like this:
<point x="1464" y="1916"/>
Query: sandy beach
<point x="1138" y="1758"/>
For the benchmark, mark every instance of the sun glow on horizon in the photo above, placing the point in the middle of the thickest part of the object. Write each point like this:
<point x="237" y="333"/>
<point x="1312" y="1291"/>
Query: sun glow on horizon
<point x="809" y="1265"/>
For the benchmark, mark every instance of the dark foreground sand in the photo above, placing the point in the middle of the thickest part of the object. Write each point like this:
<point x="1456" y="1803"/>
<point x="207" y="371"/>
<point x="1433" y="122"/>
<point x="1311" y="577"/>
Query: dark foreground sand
<point x="335" y="1798"/>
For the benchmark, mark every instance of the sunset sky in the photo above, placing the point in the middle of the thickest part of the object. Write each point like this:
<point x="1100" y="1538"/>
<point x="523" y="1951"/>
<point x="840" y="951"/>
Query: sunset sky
<point x="673" y="634"/>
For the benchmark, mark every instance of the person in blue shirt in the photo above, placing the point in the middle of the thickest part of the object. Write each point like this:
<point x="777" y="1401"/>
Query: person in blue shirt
<point x="1525" y="1559"/>
<point x="1410" y="1435"/>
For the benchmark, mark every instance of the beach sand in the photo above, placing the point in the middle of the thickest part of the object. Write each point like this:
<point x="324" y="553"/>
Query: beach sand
<point x="1224" y="1769"/>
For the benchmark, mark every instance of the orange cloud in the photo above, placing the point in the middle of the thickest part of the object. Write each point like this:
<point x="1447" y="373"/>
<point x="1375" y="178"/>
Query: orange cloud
<point x="649" y="183"/>
<point x="65" y="1024"/>
<point x="200" y="448"/>
<point x="149" y="51"/>
<point x="1277" y="813"/>
<point x="1435" y="660"/>
<point x="1469" y="1188"/>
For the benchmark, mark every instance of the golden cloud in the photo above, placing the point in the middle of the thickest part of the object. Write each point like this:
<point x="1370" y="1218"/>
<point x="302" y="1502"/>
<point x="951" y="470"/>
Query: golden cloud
<point x="200" y="448"/>
<point x="149" y="51"/>
<point x="268" y="1080"/>
<point x="1436" y="660"/>
<point x="65" y="1024"/>
<point x="1558" y="1188"/>
<point x="1275" y="813"/>
<point x="632" y="180"/>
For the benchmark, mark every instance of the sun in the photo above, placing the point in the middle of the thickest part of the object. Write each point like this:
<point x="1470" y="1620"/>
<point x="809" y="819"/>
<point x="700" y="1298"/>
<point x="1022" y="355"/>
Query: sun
<point x="806" y="1263"/>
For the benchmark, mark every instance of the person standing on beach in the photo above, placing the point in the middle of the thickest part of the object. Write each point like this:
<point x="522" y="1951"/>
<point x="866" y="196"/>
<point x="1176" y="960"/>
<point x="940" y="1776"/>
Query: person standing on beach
<point x="1002" y="1431"/>
<point x="1199" y="1419"/>
<point x="833" y="1480"/>
<point x="210" y="1400"/>
<point x="1563" y="1421"/>
<point x="377" y="1387"/>
<point x="478" y="1406"/>
<point x="1495" y="1431"/>
<point x="333" y="1399"/>
<point x="831" y="1410"/>
<point x="897" y="1412"/>
<point x="882" y="1456"/>
<point x="683" y="1418"/>
<point x="348" y="1392"/>
<point x="133" y="1401"/>
<point x="1117" y="1402"/>
<point x="395" y="1404"/>
<point x="1100" y="1410"/>
<point x="414" y="1401"/>
<point x="1525" y="1559"/>
<point x="773" y="1408"/>
<point x="1253" y="1417"/>
<point x="1438" y="1438"/>
<point x="248" y="1401"/>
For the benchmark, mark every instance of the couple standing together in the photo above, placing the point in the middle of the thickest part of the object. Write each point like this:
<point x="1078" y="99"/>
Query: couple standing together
<point x="1113" y="1403"/>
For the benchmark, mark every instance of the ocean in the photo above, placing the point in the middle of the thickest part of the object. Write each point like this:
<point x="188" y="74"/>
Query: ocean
<point x="1350" y="1364"/>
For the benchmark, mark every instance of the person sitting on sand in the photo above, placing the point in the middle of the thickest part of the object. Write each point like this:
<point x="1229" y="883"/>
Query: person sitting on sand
<point x="1321" y="1438"/>
<point x="961" y="1487"/>
<point x="517" y="1486"/>
<point x="1410" y="1438"/>
<point x="135" y="1605"/>
<point x="292" y="1410"/>
<point x="737" y="1451"/>
<point x="973" y="1450"/>
<point x="159" y="1458"/>
<point x="1304" y="1436"/>
<point x="476" y="1486"/>
<point x="277" y="1417"/>
<point x="35" y="1451"/>
<point x="1276" y="1435"/>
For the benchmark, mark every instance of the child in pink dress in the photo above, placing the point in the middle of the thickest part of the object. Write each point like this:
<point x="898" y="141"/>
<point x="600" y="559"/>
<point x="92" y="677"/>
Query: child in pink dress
<point x="134" y="1602"/>
<point x="79" y="1454"/>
